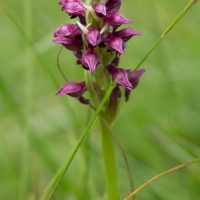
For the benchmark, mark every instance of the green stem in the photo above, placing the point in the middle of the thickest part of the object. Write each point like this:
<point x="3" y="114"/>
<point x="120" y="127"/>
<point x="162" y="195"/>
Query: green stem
<point x="162" y="174"/>
<point x="60" y="173"/>
<point x="178" y="18"/>
<point x="109" y="162"/>
<point x="28" y="80"/>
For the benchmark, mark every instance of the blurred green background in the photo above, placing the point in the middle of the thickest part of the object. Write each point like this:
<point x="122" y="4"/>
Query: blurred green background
<point x="158" y="128"/>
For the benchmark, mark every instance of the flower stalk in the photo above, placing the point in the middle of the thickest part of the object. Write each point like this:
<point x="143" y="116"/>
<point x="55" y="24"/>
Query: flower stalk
<point x="98" y="45"/>
<point x="108" y="152"/>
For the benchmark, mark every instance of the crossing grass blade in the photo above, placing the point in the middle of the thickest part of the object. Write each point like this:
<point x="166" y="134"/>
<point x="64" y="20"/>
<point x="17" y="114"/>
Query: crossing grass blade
<point x="59" y="175"/>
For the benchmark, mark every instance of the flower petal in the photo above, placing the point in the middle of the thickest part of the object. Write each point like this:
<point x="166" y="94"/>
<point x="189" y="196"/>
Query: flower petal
<point x="126" y="33"/>
<point x="74" y="8"/>
<point x="116" y="20"/>
<point x="92" y="36"/>
<point x="90" y="59"/>
<point x="116" y="43"/>
<point x="112" y="6"/>
<point x="134" y="80"/>
<point x="72" y="88"/>
<point x="100" y="10"/>
<point x="73" y="44"/>
<point x="121" y="74"/>
<point x="67" y="30"/>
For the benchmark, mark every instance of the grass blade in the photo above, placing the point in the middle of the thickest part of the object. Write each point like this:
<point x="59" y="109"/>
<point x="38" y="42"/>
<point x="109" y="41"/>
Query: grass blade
<point x="178" y="18"/>
<point x="162" y="174"/>
<point x="59" y="175"/>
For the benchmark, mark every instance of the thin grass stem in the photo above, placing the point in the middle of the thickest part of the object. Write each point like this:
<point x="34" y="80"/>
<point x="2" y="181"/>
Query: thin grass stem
<point x="162" y="174"/>
<point x="58" y="65"/>
<point x="178" y="18"/>
<point x="27" y="108"/>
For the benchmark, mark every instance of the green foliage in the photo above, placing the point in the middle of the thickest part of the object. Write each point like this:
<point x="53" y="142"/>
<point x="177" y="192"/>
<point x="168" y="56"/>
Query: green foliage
<point x="158" y="128"/>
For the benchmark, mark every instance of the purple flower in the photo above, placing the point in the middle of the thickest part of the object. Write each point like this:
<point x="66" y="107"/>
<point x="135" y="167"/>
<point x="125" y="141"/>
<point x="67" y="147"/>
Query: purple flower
<point x="121" y="74"/>
<point x="62" y="2"/>
<point x="116" y="20"/>
<point x="112" y="6"/>
<point x="92" y="36"/>
<point x="126" y="33"/>
<point x="100" y="10"/>
<point x="72" y="89"/>
<point x="73" y="44"/>
<point x="116" y="43"/>
<point x="74" y="8"/>
<point x="134" y="81"/>
<point x="68" y="30"/>
<point x="90" y="60"/>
